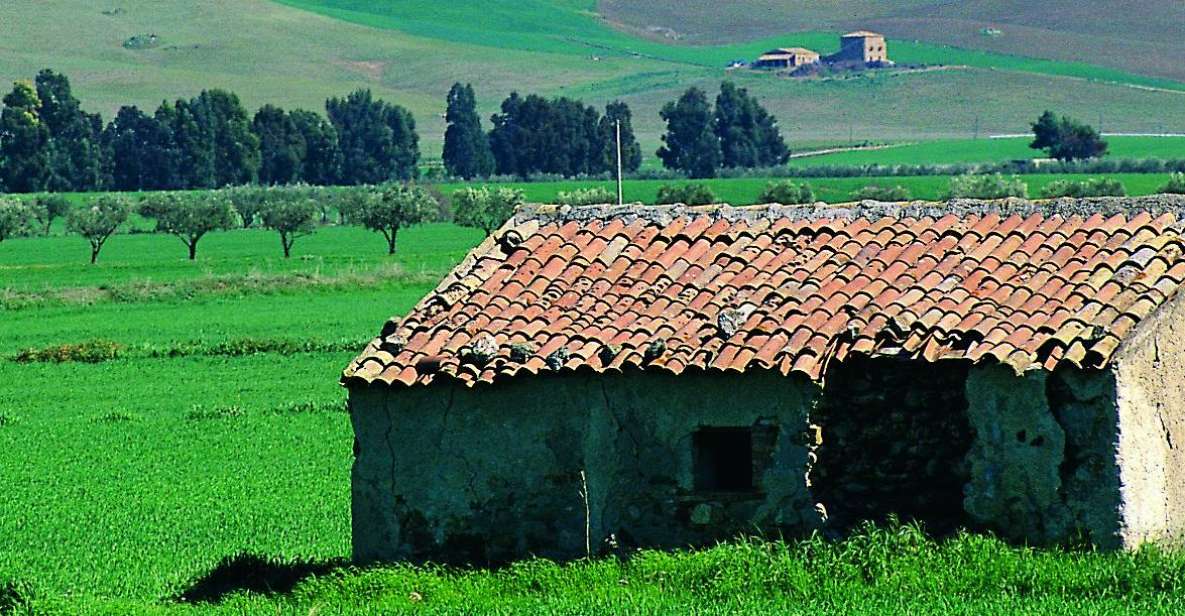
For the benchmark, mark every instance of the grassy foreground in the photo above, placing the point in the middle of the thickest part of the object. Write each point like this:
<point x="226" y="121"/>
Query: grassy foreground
<point x="195" y="459"/>
<point x="890" y="570"/>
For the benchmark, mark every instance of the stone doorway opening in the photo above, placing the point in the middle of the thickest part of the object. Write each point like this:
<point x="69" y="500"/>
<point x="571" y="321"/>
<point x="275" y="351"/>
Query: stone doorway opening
<point x="890" y="438"/>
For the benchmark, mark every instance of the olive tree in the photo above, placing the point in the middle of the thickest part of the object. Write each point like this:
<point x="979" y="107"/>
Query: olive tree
<point x="291" y="216"/>
<point x="98" y="221"/>
<point x="485" y="208"/>
<point x="189" y="216"/>
<point x="248" y="202"/>
<point x="393" y="207"/>
<point x="50" y="207"/>
<point x="16" y="217"/>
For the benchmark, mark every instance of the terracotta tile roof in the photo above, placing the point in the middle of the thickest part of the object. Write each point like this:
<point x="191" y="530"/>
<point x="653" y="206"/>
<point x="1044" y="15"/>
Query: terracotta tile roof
<point x="790" y="288"/>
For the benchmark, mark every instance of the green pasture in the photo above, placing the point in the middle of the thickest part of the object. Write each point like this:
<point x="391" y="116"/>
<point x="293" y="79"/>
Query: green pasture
<point x="212" y="481"/>
<point x="574" y="27"/>
<point x="411" y="53"/>
<point x="951" y="151"/>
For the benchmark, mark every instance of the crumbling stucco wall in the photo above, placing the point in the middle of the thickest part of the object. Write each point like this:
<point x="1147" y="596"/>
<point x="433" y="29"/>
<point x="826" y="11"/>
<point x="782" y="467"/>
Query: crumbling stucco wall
<point x="1150" y="371"/>
<point x="491" y="473"/>
<point x="1043" y="460"/>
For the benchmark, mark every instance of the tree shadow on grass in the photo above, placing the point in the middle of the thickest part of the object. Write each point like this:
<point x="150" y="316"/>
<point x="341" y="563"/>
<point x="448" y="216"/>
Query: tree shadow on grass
<point x="254" y="573"/>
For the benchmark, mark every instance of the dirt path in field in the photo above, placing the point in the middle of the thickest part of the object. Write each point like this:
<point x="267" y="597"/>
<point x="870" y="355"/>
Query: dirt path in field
<point x="855" y="148"/>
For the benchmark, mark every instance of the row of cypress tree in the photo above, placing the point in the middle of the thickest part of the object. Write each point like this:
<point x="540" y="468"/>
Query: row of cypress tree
<point x="532" y="134"/>
<point x="48" y="143"/>
<point x="565" y="137"/>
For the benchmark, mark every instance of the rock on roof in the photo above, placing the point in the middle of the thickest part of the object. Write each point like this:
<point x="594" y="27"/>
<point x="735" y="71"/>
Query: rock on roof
<point x="790" y="288"/>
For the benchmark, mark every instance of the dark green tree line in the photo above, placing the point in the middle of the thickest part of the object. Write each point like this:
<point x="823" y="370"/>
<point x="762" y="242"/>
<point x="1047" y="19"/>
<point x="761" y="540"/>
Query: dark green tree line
<point x="467" y="152"/>
<point x="738" y="133"/>
<point x="560" y="136"/>
<point x="48" y="143"/>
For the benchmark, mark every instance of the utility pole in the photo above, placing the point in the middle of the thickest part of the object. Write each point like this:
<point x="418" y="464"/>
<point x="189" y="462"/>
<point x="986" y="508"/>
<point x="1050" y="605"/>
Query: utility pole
<point x="976" y="128"/>
<point x="620" y="199"/>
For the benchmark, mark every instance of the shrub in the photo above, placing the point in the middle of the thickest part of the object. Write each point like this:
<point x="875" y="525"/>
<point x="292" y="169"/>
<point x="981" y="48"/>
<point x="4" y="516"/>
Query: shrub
<point x="16" y="218"/>
<point x="1094" y="187"/>
<point x="89" y="352"/>
<point x="687" y="194"/>
<point x="994" y="186"/>
<point x="51" y="207"/>
<point x="882" y="193"/>
<point x="485" y="208"/>
<point x="787" y="193"/>
<point x="393" y="207"/>
<point x="189" y="216"/>
<point x="98" y="221"/>
<point x="114" y="417"/>
<point x="1176" y="184"/>
<point x="587" y="196"/>
<point x="248" y="202"/>
<point x="291" y="217"/>
<point x="201" y="413"/>
<point x="297" y="408"/>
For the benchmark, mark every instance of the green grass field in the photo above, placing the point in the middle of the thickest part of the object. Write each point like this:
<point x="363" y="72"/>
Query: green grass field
<point x="134" y="482"/>
<point x="1141" y="37"/>
<point x="988" y="151"/>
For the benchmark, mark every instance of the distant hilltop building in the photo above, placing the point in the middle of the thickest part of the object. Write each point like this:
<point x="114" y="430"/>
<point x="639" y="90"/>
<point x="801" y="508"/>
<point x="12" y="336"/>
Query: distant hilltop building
<point x="861" y="46"/>
<point x="857" y="49"/>
<point x="787" y="57"/>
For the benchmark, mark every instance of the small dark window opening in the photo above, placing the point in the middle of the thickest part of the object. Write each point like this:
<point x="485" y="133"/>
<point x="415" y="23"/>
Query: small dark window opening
<point x="723" y="459"/>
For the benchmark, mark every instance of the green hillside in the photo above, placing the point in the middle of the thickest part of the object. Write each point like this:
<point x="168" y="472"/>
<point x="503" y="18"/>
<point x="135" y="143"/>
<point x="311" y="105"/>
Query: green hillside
<point x="1143" y="37"/>
<point x="299" y="52"/>
<point x="987" y="151"/>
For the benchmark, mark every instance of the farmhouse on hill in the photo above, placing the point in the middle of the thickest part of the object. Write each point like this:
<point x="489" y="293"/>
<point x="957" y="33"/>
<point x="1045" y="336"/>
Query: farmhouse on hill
<point x="857" y="49"/>
<point x="861" y="47"/>
<point x="787" y="57"/>
<point x="614" y="377"/>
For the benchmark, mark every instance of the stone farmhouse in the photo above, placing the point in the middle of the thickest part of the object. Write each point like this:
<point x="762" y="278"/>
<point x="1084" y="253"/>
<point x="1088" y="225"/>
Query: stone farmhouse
<point x="786" y="58"/>
<point x="857" y="49"/>
<point x="608" y="377"/>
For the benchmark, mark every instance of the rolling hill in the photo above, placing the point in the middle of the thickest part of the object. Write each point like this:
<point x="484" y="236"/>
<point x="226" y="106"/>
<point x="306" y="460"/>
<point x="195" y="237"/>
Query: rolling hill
<point x="298" y="52"/>
<point x="1143" y="36"/>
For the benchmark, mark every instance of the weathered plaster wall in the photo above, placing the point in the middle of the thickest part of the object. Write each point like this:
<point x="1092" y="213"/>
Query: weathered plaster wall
<point x="1150" y="371"/>
<point x="1043" y="460"/>
<point x="490" y="473"/>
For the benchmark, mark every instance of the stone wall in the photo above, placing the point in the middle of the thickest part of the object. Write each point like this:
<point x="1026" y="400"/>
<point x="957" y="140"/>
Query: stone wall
<point x="895" y="437"/>
<point x="487" y="474"/>
<point x="1043" y="460"/>
<point x="482" y="475"/>
<point x="1150" y="369"/>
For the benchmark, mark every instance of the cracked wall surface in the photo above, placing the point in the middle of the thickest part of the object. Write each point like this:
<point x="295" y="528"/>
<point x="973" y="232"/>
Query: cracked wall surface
<point x="1043" y="459"/>
<point x="483" y="475"/>
<point x="1150" y="370"/>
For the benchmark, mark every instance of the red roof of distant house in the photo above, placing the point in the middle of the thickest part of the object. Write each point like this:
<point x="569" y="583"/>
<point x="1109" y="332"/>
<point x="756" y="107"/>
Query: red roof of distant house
<point x="790" y="288"/>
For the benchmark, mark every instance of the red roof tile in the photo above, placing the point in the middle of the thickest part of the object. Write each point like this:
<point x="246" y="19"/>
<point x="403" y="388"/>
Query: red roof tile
<point x="793" y="288"/>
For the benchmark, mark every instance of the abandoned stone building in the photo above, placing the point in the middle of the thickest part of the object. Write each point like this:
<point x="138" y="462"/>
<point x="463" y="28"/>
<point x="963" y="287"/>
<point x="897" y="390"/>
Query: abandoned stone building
<point x="861" y="47"/>
<point x="786" y="58"/>
<point x="611" y="377"/>
<point x="856" y="49"/>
